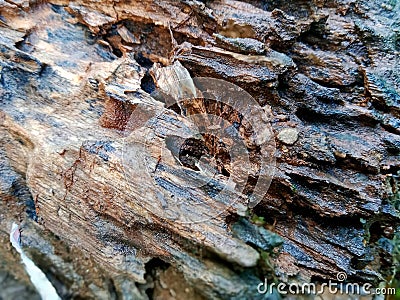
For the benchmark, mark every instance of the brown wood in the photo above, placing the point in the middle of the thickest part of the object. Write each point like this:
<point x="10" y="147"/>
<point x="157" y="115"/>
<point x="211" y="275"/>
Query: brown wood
<point x="94" y="153"/>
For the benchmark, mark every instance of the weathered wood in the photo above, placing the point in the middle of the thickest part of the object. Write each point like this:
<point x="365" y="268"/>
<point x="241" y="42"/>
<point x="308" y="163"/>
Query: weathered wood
<point x="91" y="127"/>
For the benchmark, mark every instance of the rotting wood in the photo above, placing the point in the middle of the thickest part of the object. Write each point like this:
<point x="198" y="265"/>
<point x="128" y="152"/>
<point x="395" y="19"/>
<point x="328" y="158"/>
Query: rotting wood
<point x="77" y="92"/>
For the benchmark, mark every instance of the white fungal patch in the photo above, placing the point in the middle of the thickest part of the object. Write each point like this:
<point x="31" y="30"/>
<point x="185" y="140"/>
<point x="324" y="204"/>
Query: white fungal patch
<point x="44" y="287"/>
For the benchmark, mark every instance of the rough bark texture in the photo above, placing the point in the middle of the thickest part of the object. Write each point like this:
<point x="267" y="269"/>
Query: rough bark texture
<point x="77" y="87"/>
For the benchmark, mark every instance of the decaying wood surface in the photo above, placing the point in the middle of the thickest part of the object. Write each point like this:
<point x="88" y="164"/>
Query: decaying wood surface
<point x="89" y="162"/>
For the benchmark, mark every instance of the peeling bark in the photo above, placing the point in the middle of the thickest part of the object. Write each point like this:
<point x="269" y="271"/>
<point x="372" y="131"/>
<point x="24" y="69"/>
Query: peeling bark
<point x="92" y="163"/>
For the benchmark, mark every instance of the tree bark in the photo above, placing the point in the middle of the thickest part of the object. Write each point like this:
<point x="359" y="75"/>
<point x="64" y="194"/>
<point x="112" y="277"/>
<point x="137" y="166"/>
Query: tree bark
<point x="95" y="148"/>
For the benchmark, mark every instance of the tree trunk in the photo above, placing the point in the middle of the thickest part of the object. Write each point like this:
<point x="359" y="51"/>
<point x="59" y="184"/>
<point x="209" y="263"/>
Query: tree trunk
<point x="188" y="150"/>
